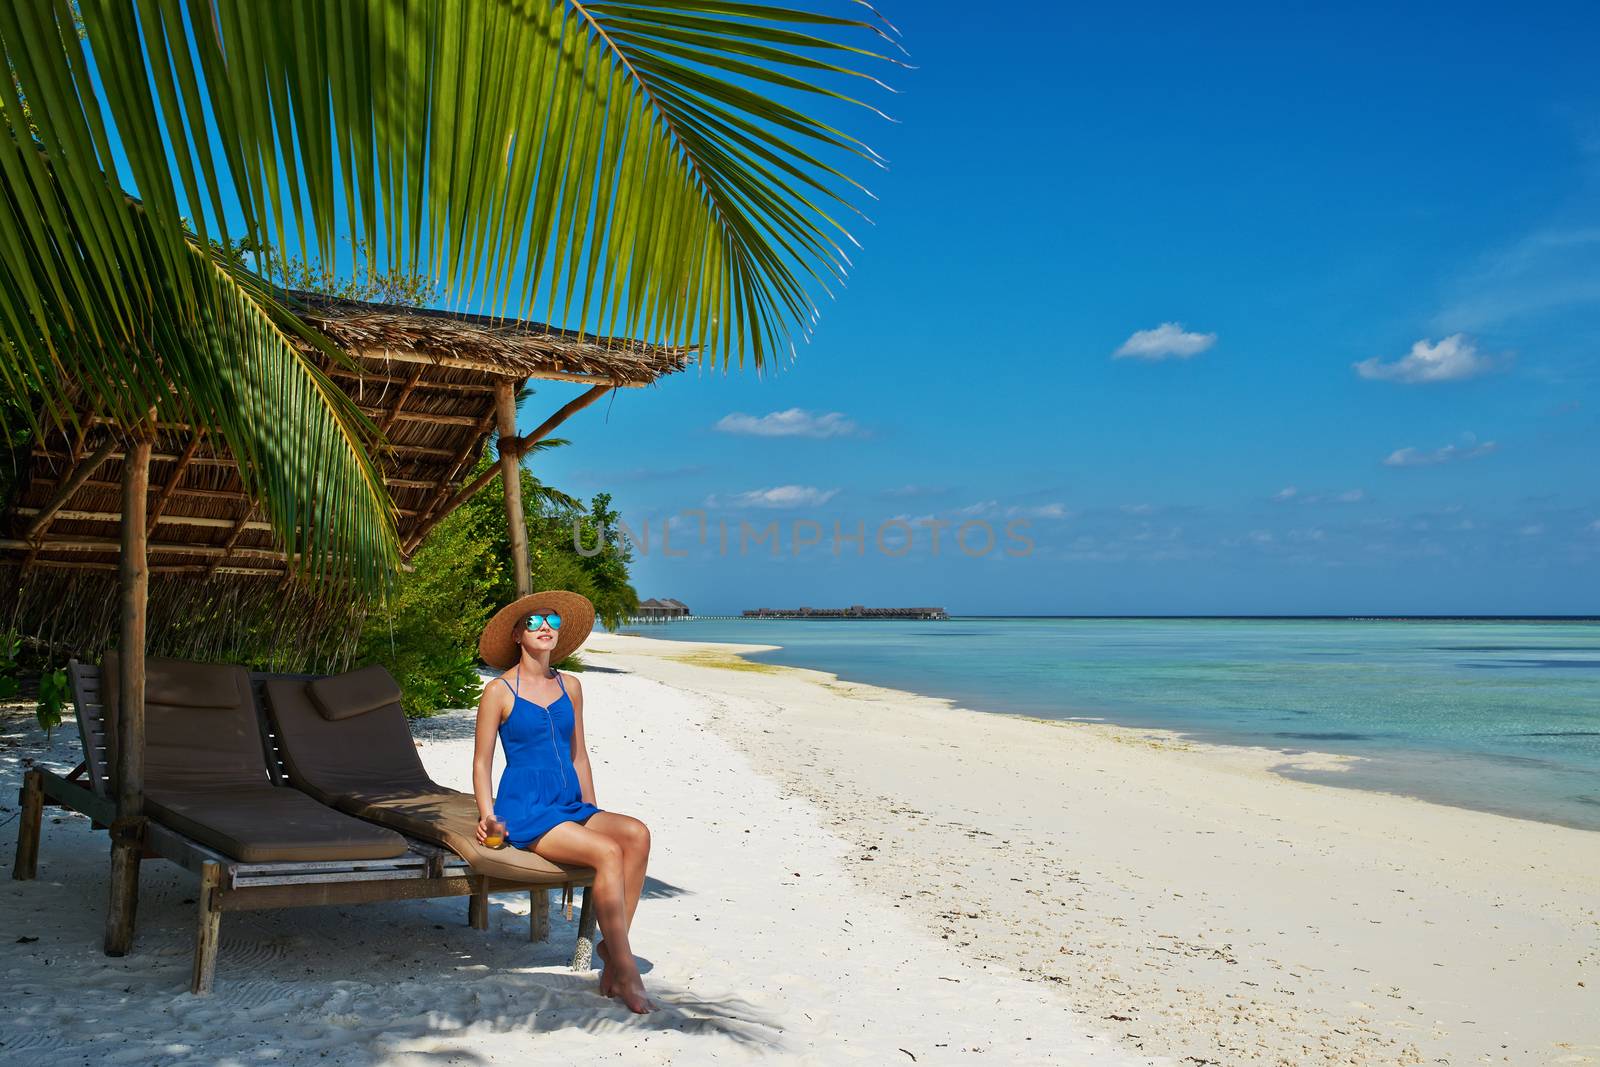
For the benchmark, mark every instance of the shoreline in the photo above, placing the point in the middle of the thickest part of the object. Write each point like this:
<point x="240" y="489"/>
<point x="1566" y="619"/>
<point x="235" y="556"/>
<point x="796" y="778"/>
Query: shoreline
<point x="1361" y="771"/>
<point x="1212" y="906"/>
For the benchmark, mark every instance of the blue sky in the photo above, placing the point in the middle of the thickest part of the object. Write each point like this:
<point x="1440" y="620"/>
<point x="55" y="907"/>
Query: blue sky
<point x="1260" y="308"/>
<point x="1263" y="196"/>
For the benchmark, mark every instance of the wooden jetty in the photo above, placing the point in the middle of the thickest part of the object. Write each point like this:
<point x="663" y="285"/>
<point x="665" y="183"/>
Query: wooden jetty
<point x="855" y="611"/>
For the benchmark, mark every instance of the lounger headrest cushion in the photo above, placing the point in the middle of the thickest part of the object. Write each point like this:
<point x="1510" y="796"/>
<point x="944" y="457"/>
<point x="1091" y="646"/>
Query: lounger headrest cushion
<point x="189" y="685"/>
<point x="353" y="693"/>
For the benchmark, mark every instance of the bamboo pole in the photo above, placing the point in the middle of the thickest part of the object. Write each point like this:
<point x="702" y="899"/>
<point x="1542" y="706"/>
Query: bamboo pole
<point x="400" y="355"/>
<point x="517" y="523"/>
<point x="172" y="482"/>
<point x="66" y="488"/>
<point x="505" y="403"/>
<point x="127" y="831"/>
<point x="519" y="446"/>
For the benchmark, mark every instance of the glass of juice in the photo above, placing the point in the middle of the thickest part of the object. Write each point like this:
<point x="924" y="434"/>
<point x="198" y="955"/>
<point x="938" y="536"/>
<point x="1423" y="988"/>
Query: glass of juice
<point x="496" y="835"/>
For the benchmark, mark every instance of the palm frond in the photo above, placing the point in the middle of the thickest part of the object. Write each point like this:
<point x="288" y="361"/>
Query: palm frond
<point x="627" y="167"/>
<point x="635" y="167"/>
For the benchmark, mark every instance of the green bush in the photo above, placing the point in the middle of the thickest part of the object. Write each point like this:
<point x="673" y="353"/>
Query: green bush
<point x="427" y="632"/>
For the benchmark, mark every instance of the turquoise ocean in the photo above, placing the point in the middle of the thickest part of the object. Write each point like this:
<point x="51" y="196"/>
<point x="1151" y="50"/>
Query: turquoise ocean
<point x="1500" y="715"/>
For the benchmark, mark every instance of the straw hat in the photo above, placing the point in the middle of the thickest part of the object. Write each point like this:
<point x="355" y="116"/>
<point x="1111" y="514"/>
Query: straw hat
<point x="498" y="645"/>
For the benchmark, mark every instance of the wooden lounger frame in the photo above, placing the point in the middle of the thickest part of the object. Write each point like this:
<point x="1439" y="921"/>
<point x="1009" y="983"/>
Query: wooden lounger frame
<point x="227" y="884"/>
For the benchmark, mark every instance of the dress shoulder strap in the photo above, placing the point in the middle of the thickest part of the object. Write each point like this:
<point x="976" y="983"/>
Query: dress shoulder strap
<point x="514" y="688"/>
<point x="563" y="682"/>
<point x="510" y="686"/>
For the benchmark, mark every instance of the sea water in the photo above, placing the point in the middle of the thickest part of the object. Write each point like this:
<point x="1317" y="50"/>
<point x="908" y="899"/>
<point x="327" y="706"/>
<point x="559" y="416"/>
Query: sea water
<point x="1501" y="715"/>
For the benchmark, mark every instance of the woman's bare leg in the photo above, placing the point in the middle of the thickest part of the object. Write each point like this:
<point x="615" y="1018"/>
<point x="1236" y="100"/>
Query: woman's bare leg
<point x="634" y="838"/>
<point x="571" y="843"/>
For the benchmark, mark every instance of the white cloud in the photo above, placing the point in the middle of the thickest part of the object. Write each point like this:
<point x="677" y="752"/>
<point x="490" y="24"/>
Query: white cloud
<point x="795" y="422"/>
<point x="1533" y="529"/>
<point x="1417" y="457"/>
<point x="1291" y="495"/>
<point x="992" y="509"/>
<point x="1167" y="341"/>
<point x="778" y="496"/>
<point x="1451" y="360"/>
<point x="1594" y="527"/>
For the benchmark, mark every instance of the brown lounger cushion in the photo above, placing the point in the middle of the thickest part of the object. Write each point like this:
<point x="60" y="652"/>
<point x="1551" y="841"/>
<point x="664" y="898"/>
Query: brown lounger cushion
<point x="272" y="824"/>
<point x="343" y="696"/>
<point x="367" y="764"/>
<point x="206" y="774"/>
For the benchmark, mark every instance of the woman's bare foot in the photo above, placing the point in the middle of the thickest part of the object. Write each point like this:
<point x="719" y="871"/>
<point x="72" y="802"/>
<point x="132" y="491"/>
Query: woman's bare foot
<point x="613" y="984"/>
<point x="630" y="990"/>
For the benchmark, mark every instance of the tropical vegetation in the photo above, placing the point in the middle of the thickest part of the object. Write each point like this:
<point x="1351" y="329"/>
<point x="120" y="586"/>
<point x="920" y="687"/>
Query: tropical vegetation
<point x="634" y="167"/>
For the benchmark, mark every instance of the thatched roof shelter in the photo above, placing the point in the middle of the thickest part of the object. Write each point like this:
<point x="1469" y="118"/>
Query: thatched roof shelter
<point x="151" y="540"/>
<point x="436" y="383"/>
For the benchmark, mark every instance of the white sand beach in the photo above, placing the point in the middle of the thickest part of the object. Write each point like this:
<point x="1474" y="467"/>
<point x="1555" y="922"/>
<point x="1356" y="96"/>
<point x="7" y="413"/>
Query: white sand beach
<point x="757" y="942"/>
<point x="850" y="874"/>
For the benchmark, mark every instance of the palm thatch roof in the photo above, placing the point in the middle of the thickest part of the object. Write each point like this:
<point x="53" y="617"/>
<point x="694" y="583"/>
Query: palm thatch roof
<point x="426" y="378"/>
<point x="471" y="342"/>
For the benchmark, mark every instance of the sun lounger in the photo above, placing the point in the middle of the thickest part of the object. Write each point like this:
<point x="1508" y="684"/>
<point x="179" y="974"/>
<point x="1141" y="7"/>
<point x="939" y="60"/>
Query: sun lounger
<point x="206" y="777"/>
<point x="344" y="740"/>
<point x="186" y="797"/>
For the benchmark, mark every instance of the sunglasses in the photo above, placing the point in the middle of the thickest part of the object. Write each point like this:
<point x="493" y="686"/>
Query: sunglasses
<point x="534" y="621"/>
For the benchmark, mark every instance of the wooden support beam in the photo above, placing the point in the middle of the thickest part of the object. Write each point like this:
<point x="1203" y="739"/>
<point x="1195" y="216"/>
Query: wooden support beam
<point x="107" y="544"/>
<point x="505" y="402"/>
<point x="566" y="411"/>
<point x="155" y="457"/>
<point x="431" y="513"/>
<point x="71" y="484"/>
<point x="478" y="911"/>
<point x="208" y="931"/>
<point x="172" y="482"/>
<point x="418" y="416"/>
<point x="517" y="446"/>
<point x="26" y="866"/>
<point x="320" y="894"/>
<point x="172" y="520"/>
<point x="127" y="832"/>
<point x="374" y="378"/>
<point x="400" y="401"/>
<point x="229" y="494"/>
<point x="233" y="539"/>
<point x="395" y="355"/>
<point x="539" y="913"/>
<point x="198" y="569"/>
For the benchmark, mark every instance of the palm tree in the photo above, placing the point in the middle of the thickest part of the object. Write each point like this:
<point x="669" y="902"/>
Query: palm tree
<point x="625" y="167"/>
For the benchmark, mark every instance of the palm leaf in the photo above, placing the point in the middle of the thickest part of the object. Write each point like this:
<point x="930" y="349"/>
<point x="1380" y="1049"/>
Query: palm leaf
<point x="638" y="166"/>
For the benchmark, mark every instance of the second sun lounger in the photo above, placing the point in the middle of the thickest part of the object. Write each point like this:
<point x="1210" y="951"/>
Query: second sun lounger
<point x="344" y="740"/>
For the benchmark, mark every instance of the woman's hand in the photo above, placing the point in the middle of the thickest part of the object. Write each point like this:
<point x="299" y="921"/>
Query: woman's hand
<point x="487" y="825"/>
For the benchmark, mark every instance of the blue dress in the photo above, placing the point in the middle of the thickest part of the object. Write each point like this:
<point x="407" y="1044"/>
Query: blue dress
<point x="539" y="788"/>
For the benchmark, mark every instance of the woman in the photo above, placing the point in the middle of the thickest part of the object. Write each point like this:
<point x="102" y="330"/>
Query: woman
<point x="547" y="799"/>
